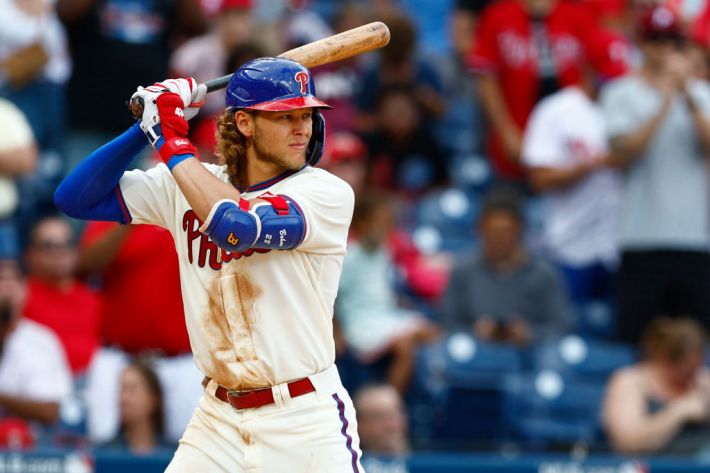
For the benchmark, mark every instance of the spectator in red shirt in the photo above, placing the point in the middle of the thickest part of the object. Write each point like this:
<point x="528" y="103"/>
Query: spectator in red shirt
<point x="55" y="298"/>
<point x="523" y="51"/>
<point x="141" y="302"/>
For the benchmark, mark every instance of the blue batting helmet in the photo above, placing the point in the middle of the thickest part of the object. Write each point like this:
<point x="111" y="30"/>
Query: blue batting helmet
<point x="274" y="85"/>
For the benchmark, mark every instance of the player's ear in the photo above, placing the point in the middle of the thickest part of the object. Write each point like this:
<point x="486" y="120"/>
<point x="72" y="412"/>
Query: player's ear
<point x="244" y="121"/>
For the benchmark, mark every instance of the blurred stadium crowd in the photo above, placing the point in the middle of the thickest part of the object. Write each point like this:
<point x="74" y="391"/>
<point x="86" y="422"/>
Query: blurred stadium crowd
<point x="529" y="265"/>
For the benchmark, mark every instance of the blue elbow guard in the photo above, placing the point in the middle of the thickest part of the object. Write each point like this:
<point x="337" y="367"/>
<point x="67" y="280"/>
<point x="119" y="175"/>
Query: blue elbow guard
<point x="282" y="228"/>
<point x="231" y="228"/>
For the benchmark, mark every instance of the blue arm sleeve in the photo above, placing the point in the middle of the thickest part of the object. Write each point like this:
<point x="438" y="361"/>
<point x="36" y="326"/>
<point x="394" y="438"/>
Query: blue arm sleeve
<point x="236" y="230"/>
<point x="91" y="191"/>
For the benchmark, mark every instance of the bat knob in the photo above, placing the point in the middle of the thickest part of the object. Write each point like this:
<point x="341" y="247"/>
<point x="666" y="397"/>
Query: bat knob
<point x="135" y="106"/>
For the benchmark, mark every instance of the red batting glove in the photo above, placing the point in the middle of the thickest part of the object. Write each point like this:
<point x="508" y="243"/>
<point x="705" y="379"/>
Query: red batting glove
<point x="174" y="127"/>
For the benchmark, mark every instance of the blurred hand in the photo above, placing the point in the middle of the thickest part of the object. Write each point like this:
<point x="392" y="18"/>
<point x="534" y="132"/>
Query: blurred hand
<point x="518" y="332"/>
<point x="692" y="407"/>
<point x="512" y="140"/>
<point x="485" y="328"/>
<point x="593" y="164"/>
<point x="677" y="70"/>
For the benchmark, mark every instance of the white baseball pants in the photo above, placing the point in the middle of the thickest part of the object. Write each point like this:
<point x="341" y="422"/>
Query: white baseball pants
<point x="312" y="433"/>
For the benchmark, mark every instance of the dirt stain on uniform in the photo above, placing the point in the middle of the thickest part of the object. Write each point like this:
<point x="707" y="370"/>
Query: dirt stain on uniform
<point x="217" y="331"/>
<point x="232" y="318"/>
<point x="248" y="293"/>
<point x="246" y="436"/>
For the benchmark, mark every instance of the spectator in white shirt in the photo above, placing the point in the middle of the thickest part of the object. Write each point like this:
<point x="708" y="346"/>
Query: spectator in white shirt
<point x="565" y="151"/>
<point x="34" y="374"/>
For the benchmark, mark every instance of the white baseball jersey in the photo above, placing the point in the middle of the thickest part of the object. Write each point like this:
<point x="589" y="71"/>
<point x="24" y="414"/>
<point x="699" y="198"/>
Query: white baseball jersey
<point x="581" y="221"/>
<point x="261" y="317"/>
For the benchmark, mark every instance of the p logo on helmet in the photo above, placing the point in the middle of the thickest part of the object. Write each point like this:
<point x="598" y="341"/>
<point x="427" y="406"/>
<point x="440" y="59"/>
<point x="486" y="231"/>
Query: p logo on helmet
<point x="275" y="85"/>
<point x="302" y="78"/>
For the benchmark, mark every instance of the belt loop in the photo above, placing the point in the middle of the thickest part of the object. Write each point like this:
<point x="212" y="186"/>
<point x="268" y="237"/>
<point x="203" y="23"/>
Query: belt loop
<point x="278" y="397"/>
<point x="285" y="394"/>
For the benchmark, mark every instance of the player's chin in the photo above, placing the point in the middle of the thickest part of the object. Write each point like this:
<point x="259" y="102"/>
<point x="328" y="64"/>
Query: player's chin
<point x="297" y="159"/>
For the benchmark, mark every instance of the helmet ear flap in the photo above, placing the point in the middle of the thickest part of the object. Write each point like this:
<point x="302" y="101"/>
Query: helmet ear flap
<point x="317" y="143"/>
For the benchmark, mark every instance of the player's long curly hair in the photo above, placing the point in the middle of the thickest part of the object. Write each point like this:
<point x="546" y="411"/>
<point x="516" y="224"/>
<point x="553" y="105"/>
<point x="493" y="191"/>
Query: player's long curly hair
<point x="232" y="149"/>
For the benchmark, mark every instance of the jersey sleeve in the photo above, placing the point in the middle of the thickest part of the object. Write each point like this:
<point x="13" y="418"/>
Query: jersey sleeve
<point x="326" y="203"/>
<point x="541" y="143"/>
<point x="149" y="195"/>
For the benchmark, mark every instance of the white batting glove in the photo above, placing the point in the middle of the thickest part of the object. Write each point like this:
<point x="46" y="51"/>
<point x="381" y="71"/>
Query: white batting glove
<point x="197" y="101"/>
<point x="150" y="118"/>
<point x="192" y="94"/>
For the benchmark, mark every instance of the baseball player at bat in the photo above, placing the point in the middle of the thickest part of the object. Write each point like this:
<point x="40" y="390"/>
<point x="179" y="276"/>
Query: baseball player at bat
<point x="261" y="241"/>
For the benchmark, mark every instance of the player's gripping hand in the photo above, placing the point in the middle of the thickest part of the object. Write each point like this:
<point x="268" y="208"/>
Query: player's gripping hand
<point x="192" y="95"/>
<point x="167" y="107"/>
<point x="172" y="140"/>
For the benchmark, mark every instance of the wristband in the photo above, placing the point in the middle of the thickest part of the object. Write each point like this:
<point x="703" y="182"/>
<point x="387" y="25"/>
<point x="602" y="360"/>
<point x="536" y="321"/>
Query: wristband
<point x="176" y="146"/>
<point x="177" y="159"/>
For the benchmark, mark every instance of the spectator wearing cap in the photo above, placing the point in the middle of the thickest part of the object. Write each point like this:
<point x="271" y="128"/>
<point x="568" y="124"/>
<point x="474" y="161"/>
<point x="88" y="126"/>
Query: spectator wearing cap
<point x="505" y="294"/>
<point x="658" y="121"/>
<point x="34" y="374"/>
<point x="346" y="157"/>
<point x="523" y="51"/>
<point x="568" y="162"/>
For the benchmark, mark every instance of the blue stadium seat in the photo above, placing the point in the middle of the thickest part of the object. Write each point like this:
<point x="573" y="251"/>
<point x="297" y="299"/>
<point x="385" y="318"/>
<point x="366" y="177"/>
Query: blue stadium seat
<point x="444" y="221"/>
<point x="596" y="319"/>
<point x="462" y="379"/>
<point x="576" y="357"/>
<point x="546" y="410"/>
<point x="470" y="171"/>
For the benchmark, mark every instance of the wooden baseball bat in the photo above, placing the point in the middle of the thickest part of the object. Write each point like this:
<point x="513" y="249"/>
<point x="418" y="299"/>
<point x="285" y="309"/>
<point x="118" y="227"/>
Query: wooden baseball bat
<point x="340" y="46"/>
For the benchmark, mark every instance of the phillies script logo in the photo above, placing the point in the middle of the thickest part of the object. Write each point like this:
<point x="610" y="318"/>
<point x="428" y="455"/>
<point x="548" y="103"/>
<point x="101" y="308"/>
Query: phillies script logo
<point x="207" y="250"/>
<point x="302" y="78"/>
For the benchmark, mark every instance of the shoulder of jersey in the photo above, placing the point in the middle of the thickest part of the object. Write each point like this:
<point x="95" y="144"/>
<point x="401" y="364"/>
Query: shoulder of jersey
<point x="315" y="176"/>
<point x="629" y="81"/>
<point x="40" y="335"/>
<point x="559" y="100"/>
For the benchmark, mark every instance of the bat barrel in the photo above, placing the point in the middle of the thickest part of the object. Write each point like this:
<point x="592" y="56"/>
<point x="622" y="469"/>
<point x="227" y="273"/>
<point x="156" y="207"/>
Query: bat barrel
<point x="334" y="48"/>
